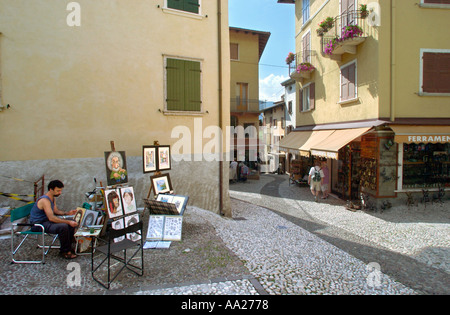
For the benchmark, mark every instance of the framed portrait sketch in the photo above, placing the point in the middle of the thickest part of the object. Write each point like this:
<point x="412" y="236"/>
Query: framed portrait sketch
<point x="116" y="168"/>
<point x="113" y="203"/>
<point x="156" y="158"/>
<point x="164" y="158"/>
<point x="78" y="217"/>
<point x="149" y="158"/>
<point x="128" y="200"/>
<point x="161" y="184"/>
<point x="90" y="218"/>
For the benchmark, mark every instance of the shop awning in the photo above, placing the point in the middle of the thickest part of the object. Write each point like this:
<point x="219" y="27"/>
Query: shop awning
<point x="421" y="134"/>
<point x="293" y="141"/>
<point x="330" y="146"/>
<point x="315" y="138"/>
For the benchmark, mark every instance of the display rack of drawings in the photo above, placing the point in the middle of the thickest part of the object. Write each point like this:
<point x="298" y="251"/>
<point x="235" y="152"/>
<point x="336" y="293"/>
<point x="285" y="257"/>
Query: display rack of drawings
<point x="166" y="209"/>
<point x="118" y="201"/>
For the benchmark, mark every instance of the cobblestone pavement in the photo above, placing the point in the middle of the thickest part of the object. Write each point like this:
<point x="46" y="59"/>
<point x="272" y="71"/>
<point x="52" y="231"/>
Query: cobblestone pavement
<point x="410" y="245"/>
<point x="278" y="242"/>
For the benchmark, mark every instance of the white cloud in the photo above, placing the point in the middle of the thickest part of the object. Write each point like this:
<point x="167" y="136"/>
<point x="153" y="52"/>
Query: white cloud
<point x="270" y="88"/>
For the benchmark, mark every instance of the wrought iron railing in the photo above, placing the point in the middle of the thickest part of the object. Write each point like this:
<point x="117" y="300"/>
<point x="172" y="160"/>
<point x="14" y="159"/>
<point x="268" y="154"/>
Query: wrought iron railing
<point x="244" y="105"/>
<point x="303" y="58"/>
<point x="350" y="24"/>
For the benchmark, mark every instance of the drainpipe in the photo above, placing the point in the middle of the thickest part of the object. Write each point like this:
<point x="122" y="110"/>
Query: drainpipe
<point x="392" y="61"/>
<point x="219" y="23"/>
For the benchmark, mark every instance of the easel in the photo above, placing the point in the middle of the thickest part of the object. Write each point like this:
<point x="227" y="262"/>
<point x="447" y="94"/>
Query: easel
<point x="158" y="173"/>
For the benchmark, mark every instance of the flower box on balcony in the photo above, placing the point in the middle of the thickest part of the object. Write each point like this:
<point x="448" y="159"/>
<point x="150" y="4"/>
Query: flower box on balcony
<point x="303" y="71"/>
<point x="347" y="43"/>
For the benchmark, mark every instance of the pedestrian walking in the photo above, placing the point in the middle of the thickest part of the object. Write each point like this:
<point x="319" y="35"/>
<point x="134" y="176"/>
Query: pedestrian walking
<point x="315" y="179"/>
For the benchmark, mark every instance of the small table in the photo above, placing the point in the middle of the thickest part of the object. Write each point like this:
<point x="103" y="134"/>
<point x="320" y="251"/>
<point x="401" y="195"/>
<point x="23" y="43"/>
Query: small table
<point x="82" y="233"/>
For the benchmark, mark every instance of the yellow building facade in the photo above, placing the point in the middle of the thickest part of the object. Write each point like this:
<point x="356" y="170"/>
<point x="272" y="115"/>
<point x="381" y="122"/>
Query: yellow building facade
<point x="379" y="70"/>
<point x="246" y="49"/>
<point x="77" y="75"/>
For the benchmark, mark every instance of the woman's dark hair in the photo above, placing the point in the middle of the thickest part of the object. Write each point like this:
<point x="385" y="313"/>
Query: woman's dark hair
<point x="55" y="183"/>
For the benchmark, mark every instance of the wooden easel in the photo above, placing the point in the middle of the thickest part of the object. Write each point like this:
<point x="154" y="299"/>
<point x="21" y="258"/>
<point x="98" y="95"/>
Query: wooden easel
<point x="158" y="173"/>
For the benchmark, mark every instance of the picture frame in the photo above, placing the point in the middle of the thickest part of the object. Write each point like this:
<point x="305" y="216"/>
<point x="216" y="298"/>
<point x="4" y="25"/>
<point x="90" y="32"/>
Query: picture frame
<point x="164" y="158"/>
<point x="116" y="168"/>
<point x="113" y="203"/>
<point x="156" y="158"/>
<point x="178" y="200"/>
<point x="128" y="200"/>
<point x="131" y="220"/>
<point x="161" y="184"/>
<point x="150" y="158"/>
<point x="89" y="218"/>
<point x="78" y="217"/>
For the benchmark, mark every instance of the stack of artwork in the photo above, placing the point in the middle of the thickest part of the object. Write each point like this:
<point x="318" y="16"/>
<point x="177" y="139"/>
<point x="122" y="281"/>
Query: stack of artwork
<point x="121" y="207"/>
<point x="86" y="218"/>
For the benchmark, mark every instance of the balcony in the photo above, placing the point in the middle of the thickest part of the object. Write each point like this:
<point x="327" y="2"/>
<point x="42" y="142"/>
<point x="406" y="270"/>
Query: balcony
<point x="303" y="65"/>
<point x="344" y="34"/>
<point x="243" y="105"/>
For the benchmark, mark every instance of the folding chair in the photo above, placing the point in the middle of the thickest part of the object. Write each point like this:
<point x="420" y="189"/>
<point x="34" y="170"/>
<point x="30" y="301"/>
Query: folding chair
<point x="111" y="248"/>
<point x="24" y="212"/>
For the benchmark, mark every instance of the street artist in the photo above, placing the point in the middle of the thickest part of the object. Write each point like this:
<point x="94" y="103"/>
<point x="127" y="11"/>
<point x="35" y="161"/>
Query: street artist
<point x="45" y="212"/>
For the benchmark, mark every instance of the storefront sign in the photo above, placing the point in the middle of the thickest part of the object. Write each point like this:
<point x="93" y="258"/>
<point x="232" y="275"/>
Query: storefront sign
<point x="425" y="139"/>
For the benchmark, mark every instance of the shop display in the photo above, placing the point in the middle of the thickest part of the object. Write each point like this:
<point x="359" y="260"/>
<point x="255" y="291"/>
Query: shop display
<point x="426" y="165"/>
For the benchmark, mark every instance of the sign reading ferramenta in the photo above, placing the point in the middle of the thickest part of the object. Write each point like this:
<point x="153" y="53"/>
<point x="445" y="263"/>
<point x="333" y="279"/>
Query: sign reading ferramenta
<point x="422" y="138"/>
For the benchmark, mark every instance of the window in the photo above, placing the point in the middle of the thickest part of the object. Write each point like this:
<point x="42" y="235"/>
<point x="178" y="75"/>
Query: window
<point x="305" y="10"/>
<point x="290" y="107"/>
<point x="183" y="85"/>
<point x="184" y="5"/>
<point x="234" y="51"/>
<point x="348" y="15"/>
<point x="242" y="96"/>
<point x="435" y="67"/>
<point x="306" y="47"/>
<point x="308" y="97"/>
<point x="348" y="82"/>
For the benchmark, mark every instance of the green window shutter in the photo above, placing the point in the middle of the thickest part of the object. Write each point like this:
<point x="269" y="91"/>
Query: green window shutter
<point x="191" y="6"/>
<point x="176" y="4"/>
<point x="175" y="84"/>
<point x="192" y="86"/>
<point x="184" y="5"/>
<point x="183" y="85"/>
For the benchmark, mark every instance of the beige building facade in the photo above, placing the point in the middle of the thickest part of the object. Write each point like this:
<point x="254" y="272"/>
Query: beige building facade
<point x="77" y="75"/>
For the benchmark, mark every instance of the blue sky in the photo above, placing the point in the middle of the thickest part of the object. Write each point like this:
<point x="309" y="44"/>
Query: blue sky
<point x="279" y="20"/>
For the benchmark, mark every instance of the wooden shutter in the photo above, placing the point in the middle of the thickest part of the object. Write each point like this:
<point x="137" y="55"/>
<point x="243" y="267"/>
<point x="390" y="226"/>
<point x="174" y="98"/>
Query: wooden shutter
<point x="306" y="47"/>
<point x="312" y="96"/>
<point x="175" y="84"/>
<point x="184" y="5"/>
<point x="436" y="73"/>
<point x="348" y="82"/>
<point x="300" y="101"/>
<point x="352" y="81"/>
<point x="192" y="86"/>
<point x="175" y="4"/>
<point x="234" y="51"/>
<point x="191" y="6"/>
<point x="438" y="1"/>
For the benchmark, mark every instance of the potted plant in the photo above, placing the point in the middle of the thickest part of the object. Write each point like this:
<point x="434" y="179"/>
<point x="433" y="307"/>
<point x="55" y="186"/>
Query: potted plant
<point x="351" y="31"/>
<point x="329" y="47"/>
<point x="305" y="67"/>
<point x="290" y="58"/>
<point x="363" y="11"/>
<point x="325" y="26"/>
